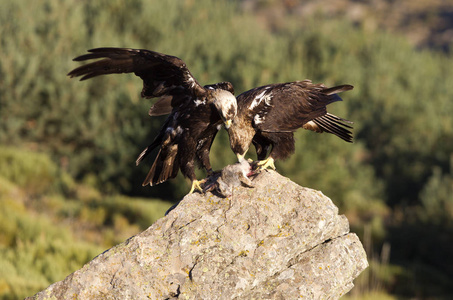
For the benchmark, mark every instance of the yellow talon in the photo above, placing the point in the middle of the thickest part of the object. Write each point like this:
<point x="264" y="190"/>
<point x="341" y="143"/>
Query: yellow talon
<point x="267" y="163"/>
<point x="196" y="185"/>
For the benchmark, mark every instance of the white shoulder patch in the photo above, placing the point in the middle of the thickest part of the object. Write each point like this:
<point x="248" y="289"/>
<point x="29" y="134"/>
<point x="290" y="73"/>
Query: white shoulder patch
<point x="258" y="119"/>
<point x="258" y="99"/>
<point x="199" y="102"/>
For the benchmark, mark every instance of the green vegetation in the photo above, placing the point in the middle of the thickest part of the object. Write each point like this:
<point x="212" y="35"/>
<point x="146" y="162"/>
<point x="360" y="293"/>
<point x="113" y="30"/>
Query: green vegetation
<point x="51" y="226"/>
<point x="68" y="172"/>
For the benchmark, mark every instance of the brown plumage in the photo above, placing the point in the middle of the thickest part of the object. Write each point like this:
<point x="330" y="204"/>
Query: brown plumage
<point x="196" y="113"/>
<point x="269" y="115"/>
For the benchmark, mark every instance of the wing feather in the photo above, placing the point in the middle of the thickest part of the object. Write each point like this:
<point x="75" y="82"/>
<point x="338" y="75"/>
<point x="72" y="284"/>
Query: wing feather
<point x="161" y="107"/>
<point x="161" y="74"/>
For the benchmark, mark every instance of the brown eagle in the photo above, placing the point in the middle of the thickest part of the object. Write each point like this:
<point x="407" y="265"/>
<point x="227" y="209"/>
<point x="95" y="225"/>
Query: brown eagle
<point x="269" y="115"/>
<point x="196" y="113"/>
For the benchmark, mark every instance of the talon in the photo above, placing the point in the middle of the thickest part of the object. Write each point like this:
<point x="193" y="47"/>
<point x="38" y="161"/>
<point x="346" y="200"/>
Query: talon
<point x="264" y="164"/>
<point x="196" y="185"/>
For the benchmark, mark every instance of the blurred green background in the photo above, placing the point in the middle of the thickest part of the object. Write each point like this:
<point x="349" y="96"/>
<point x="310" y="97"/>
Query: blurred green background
<point x="69" y="188"/>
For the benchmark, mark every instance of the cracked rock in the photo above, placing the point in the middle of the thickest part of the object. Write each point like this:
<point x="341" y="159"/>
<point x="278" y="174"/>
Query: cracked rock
<point x="277" y="240"/>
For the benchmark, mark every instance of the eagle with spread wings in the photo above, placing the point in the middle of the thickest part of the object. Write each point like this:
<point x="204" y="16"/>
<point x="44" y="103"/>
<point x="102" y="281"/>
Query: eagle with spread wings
<point x="196" y="112"/>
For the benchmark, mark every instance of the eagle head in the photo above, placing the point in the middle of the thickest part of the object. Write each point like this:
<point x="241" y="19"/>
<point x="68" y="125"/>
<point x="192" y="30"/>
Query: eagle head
<point x="226" y="105"/>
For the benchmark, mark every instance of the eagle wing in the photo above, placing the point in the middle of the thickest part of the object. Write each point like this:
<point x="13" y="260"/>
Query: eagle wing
<point x="285" y="107"/>
<point x="163" y="75"/>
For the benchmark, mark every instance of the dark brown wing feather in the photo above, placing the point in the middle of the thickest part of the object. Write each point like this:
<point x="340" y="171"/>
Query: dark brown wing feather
<point x="337" y="89"/>
<point x="161" y="74"/>
<point x="161" y="107"/>
<point x="286" y="107"/>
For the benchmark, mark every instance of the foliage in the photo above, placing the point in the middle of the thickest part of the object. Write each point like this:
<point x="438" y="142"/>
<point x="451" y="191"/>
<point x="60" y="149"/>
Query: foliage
<point x="423" y="240"/>
<point x="437" y="200"/>
<point x="34" y="252"/>
<point x="45" y="236"/>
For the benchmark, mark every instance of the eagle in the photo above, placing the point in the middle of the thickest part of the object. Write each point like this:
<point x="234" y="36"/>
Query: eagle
<point x="268" y="116"/>
<point x="195" y="113"/>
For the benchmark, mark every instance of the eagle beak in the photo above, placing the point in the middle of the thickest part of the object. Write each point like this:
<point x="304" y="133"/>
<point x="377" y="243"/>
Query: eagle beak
<point x="227" y="124"/>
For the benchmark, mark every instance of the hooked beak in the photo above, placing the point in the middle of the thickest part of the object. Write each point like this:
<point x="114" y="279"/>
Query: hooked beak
<point x="227" y="124"/>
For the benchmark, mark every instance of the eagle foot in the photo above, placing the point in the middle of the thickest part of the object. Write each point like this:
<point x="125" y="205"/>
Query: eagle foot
<point x="196" y="185"/>
<point x="265" y="164"/>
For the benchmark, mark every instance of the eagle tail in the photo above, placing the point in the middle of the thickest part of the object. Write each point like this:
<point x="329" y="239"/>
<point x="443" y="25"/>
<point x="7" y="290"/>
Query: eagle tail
<point x="335" y="125"/>
<point x="157" y="142"/>
<point x="165" y="166"/>
<point x="148" y="150"/>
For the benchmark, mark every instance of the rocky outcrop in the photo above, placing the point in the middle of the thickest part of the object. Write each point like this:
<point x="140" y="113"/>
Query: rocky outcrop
<point x="276" y="240"/>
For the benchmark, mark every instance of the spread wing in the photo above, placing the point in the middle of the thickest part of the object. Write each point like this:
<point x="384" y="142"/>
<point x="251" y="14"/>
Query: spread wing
<point x="163" y="75"/>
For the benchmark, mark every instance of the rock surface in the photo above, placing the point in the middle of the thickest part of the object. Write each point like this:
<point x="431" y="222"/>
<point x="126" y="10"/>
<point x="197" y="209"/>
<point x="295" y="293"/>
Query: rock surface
<point x="277" y="240"/>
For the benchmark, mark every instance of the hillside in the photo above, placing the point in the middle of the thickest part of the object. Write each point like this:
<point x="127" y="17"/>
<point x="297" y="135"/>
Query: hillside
<point x="426" y="24"/>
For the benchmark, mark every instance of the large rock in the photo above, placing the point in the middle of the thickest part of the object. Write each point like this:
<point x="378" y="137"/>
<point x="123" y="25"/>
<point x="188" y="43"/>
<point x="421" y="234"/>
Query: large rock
<point x="276" y="240"/>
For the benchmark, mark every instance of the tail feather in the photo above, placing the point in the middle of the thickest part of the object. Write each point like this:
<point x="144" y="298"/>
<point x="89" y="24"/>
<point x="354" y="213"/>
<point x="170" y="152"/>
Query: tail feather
<point x="148" y="150"/>
<point x="336" y="119"/>
<point x="335" y="125"/>
<point x="165" y="166"/>
<point x="157" y="142"/>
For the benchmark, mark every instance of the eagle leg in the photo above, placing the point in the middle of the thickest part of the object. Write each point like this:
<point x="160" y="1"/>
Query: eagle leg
<point x="264" y="164"/>
<point x="196" y="185"/>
